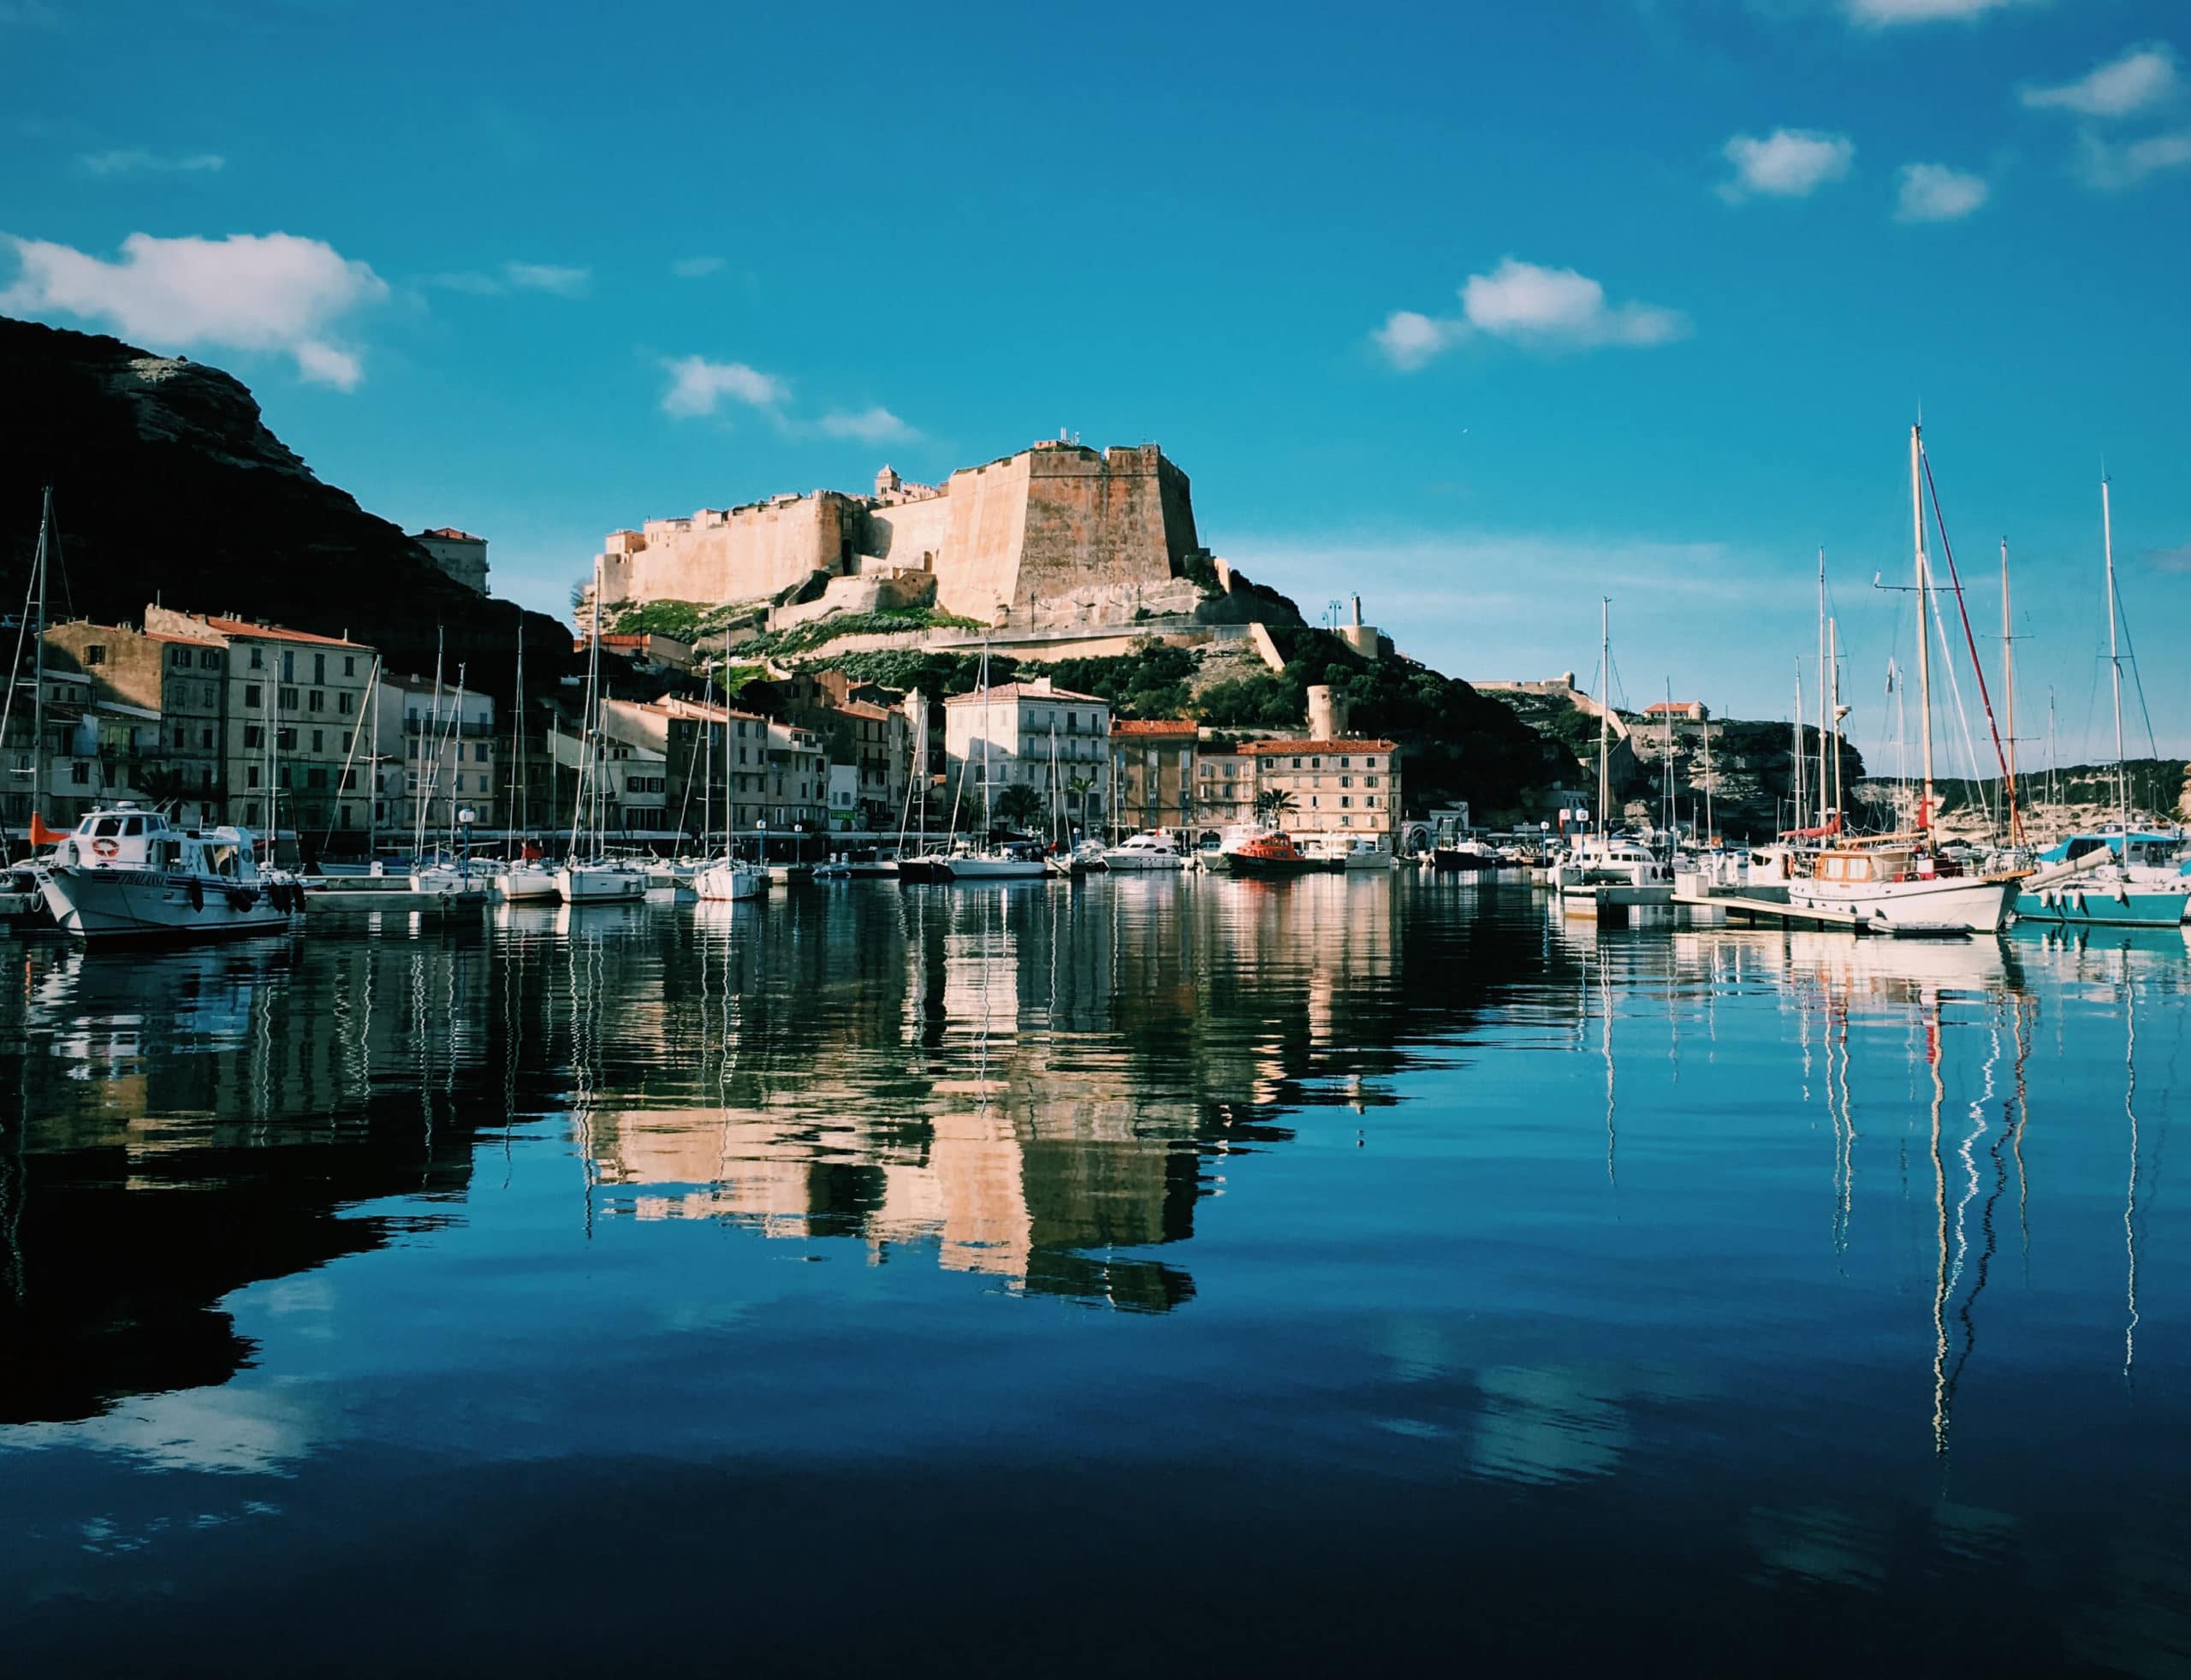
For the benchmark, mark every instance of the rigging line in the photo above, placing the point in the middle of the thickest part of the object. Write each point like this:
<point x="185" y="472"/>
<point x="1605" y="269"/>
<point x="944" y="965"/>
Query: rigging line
<point x="1954" y="579"/>
<point x="2137" y="681"/>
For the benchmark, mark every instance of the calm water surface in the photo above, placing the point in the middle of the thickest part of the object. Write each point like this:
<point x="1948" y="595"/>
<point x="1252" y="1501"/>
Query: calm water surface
<point x="1175" y="1274"/>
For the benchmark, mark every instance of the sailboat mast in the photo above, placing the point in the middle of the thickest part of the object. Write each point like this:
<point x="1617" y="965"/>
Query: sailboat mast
<point x="1824" y="684"/>
<point x="429" y="767"/>
<point x="1711" y="830"/>
<point x="513" y="819"/>
<point x="38" y="663"/>
<point x="1605" y="700"/>
<point x="2114" y="663"/>
<point x="372" y="804"/>
<point x="1833" y="711"/>
<point x="1666" y="775"/>
<point x="2009" y="677"/>
<point x="592" y="688"/>
<point x="1924" y="623"/>
<point x="1802" y="755"/>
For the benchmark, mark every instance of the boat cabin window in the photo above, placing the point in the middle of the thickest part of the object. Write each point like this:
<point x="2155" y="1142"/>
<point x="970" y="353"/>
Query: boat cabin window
<point x="133" y="825"/>
<point x="220" y="859"/>
<point x="106" y="827"/>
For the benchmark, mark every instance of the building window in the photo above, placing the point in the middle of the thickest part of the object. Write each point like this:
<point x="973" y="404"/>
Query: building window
<point x="316" y="700"/>
<point x="182" y="736"/>
<point x="251" y="776"/>
<point x="288" y="665"/>
<point x="256" y="662"/>
<point x="315" y="777"/>
<point x="253" y="695"/>
<point x="205" y="739"/>
<point x="1345" y="800"/>
<point x="349" y="665"/>
<point x="479" y="753"/>
<point x="209" y="659"/>
<point x="286" y="699"/>
<point x="79" y="773"/>
<point x="179" y="657"/>
<point x="94" y="653"/>
<point x="1371" y="800"/>
<point x="319" y="668"/>
<point x="286" y="740"/>
<point x="1297" y="763"/>
<point x="344" y="701"/>
<point x="254" y="737"/>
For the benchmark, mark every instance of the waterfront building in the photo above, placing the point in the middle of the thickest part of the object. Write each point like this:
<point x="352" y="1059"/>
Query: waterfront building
<point x="173" y="682"/>
<point x="458" y="553"/>
<point x="704" y="746"/>
<point x="792" y="791"/>
<point x="1225" y="787"/>
<point x="865" y="732"/>
<point x="1018" y="730"/>
<point x="293" y="709"/>
<point x="1154" y="760"/>
<point x="634" y="774"/>
<point x="434" y="753"/>
<point x="1341" y="789"/>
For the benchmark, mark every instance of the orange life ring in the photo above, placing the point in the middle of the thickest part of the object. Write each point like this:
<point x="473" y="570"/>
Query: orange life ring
<point x="105" y="848"/>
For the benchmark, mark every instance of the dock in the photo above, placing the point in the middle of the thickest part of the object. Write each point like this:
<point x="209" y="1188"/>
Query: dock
<point x="1755" y="910"/>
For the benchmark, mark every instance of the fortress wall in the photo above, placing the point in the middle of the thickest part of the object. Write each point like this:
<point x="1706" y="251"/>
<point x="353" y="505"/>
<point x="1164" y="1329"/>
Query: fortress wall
<point x="1092" y="520"/>
<point x="979" y="568"/>
<point x="749" y="553"/>
<point x="1180" y="539"/>
<point x="902" y="532"/>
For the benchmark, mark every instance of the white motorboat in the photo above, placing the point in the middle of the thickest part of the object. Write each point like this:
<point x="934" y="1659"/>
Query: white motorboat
<point x="127" y="874"/>
<point x="603" y="881"/>
<point x="1150" y="851"/>
<point x="1609" y="860"/>
<point x="730" y="881"/>
<point x="1896" y="882"/>
<point x="1368" y="855"/>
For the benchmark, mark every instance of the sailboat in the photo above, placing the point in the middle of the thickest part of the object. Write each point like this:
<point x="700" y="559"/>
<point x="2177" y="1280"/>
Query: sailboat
<point x="1011" y="861"/>
<point x="729" y="878"/>
<point x="527" y="878"/>
<point x="589" y="875"/>
<point x="1902" y="882"/>
<point x="1604" y="867"/>
<point x="2115" y="877"/>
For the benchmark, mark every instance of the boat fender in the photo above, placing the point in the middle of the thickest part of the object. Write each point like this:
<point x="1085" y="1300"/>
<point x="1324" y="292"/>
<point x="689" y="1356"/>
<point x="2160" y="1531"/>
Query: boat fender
<point x="242" y="897"/>
<point x="2076" y="902"/>
<point x="197" y="894"/>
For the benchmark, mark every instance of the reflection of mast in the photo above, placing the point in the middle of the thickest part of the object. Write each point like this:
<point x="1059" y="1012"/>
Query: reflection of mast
<point x="2023" y="1120"/>
<point x="2130" y="1196"/>
<point x="1986" y="1225"/>
<point x="1605" y="1011"/>
<point x="1940" y="1209"/>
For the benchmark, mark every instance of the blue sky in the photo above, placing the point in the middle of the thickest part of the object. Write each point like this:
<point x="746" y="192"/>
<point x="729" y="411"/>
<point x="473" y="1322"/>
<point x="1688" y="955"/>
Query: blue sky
<point x="1482" y="310"/>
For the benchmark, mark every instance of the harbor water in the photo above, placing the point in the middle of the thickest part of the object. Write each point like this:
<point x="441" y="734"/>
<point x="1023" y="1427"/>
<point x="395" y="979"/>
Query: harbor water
<point x="1148" y="1274"/>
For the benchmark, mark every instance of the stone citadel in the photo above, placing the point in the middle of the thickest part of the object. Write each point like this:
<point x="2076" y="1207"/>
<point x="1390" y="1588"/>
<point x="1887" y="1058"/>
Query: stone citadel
<point x="1056" y="531"/>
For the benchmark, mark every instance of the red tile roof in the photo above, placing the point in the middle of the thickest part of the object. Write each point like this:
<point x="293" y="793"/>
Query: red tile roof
<point x="1154" y="726"/>
<point x="452" y="534"/>
<point x="191" y="641"/>
<point x="273" y="632"/>
<point x="1268" y="747"/>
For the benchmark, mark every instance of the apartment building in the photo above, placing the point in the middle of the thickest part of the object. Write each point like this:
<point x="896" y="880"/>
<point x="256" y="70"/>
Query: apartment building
<point x="435" y="754"/>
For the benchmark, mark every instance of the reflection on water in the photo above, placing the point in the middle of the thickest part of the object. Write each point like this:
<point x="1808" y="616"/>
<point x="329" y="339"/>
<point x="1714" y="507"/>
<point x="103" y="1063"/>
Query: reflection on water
<point x="1731" y="1266"/>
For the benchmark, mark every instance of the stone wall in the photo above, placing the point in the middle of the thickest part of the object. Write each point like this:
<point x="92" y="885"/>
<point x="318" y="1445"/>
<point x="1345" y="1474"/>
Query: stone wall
<point x="1057" y="522"/>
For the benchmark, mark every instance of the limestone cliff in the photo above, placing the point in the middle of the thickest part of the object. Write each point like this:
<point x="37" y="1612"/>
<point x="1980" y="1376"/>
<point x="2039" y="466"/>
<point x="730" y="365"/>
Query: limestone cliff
<point x="168" y="485"/>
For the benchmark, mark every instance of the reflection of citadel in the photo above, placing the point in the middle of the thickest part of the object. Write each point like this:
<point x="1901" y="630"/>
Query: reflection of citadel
<point x="1038" y="1094"/>
<point x="1033" y="1084"/>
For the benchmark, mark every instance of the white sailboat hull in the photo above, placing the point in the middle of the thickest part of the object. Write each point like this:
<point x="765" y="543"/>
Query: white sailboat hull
<point x="1957" y="901"/>
<point x="996" y="868"/>
<point x="524" y="883"/>
<point x="125" y="904"/>
<point x="599" y="884"/>
<point x="728" y="882"/>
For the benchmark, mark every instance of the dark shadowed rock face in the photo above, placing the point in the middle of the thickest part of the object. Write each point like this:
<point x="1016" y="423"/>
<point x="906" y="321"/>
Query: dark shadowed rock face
<point x="168" y="485"/>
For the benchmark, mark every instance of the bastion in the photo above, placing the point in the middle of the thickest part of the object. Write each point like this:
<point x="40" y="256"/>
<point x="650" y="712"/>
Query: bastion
<point x="1052" y="523"/>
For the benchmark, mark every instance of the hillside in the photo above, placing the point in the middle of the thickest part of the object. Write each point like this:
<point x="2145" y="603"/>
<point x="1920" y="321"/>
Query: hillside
<point x="168" y="485"/>
<point x="2053" y="803"/>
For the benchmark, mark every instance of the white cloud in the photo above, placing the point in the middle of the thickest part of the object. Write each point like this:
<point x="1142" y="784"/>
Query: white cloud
<point x="1935" y="192"/>
<point x="132" y="161"/>
<point x="1410" y="339"/>
<point x="1882" y="13"/>
<point x="246" y="291"/>
<point x="2139" y="79"/>
<point x="696" y="385"/>
<point x="2177" y="558"/>
<point x="869" y="425"/>
<point x="695" y="267"/>
<point x="2117" y="169"/>
<point x="1558" y="306"/>
<point x="1787" y="163"/>
<point x="546" y="277"/>
<point x="516" y="277"/>
<point x="1524" y="303"/>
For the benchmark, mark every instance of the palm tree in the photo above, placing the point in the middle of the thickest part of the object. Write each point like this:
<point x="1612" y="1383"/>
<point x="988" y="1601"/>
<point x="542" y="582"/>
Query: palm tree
<point x="1020" y="805"/>
<point x="1271" y="804"/>
<point x="1078" y="788"/>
